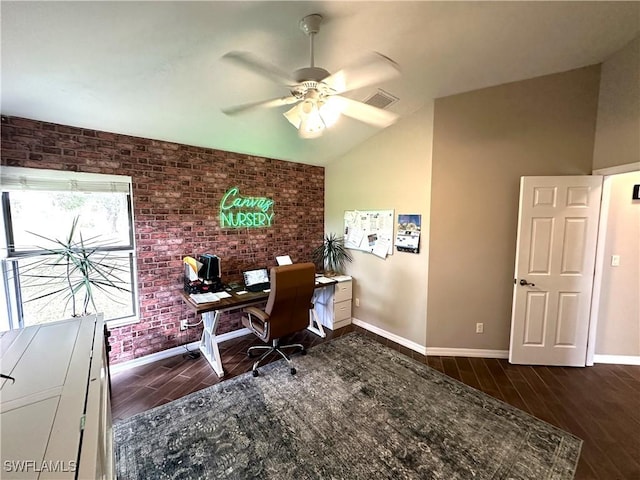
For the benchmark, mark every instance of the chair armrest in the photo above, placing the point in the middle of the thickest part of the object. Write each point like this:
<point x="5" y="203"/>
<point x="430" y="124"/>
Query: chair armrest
<point x="258" y="321"/>
<point x="261" y="314"/>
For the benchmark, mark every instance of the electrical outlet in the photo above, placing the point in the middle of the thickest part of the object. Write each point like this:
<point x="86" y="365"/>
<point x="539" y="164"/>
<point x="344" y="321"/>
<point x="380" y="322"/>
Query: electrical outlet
<point x="479" y="327"/>
<point x="357" y="302"/>
<point x="183" y="325"/>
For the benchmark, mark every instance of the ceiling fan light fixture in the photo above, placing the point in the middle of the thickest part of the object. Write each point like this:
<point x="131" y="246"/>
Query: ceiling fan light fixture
<point x="311" y="124"/>
<point x="330" y="110"/>
<point x="307" y="107"/>
<point x="311" y="127"/>
<point x="293" y="115"/>
<point x="305" y="116"/>
<point x="309" y="116"/>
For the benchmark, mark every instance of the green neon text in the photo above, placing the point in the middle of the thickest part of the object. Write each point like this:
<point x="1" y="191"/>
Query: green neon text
<point x="237" y="211"/>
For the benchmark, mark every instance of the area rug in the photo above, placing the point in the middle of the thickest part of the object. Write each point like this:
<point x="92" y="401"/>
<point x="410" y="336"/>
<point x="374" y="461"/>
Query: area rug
<point x="355" y="410"/>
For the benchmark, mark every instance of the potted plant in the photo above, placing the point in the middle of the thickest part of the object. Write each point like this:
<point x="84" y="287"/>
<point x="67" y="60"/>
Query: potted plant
<point x="332" y="255"/>
<point x="75" y="268"/>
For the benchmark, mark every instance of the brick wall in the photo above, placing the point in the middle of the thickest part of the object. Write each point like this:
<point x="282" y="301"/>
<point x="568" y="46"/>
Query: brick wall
<point x="176" y="194"/>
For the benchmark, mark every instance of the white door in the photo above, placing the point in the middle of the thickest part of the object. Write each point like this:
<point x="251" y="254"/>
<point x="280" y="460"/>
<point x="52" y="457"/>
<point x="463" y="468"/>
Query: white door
<point x="555" y="259"/>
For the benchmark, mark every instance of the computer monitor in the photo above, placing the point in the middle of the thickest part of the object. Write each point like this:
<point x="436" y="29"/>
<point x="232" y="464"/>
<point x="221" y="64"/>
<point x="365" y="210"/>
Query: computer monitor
<point x="255" y="280"/>
<point x="210" y="270"/>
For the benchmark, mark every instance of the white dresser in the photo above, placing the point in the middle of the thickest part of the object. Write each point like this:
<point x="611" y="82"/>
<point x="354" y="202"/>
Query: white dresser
<point x="56" y="416"/>
<point x="333" y="303"/>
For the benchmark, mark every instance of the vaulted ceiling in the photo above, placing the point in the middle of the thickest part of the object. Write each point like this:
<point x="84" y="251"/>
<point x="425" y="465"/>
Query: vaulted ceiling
<point x="154" y="69"/>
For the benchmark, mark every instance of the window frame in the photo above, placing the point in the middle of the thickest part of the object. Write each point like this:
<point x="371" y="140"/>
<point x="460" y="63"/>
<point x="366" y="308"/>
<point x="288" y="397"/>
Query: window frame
<point x="10" y="287"/>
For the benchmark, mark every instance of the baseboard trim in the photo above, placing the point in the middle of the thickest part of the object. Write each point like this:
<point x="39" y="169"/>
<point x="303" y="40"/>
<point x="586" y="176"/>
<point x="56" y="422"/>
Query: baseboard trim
<point x="434" y="351"/>
<point x="617" y="359"/>
<point x="416" y="347"/>
<point x="170" y="352"/>
<point x="467" y="352"/>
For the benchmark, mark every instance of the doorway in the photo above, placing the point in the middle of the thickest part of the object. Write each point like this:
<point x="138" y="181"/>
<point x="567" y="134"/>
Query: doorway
<point x="614" y="330"/>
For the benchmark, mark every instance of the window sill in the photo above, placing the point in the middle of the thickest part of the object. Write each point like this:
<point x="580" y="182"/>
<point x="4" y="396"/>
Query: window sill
<point x="122" y="322"/>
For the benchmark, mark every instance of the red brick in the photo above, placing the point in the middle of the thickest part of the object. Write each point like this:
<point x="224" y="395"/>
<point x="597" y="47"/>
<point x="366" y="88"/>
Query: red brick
<point x="176" y="193"/>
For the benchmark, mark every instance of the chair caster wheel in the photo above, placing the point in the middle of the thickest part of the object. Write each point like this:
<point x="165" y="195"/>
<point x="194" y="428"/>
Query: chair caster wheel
<point x="255" y="373"/>
<point x="303" y="352"/>
<point x="293" y="371"/>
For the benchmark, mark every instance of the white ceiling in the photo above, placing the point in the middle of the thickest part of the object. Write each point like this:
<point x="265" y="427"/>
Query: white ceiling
<point x="153" y="69"/>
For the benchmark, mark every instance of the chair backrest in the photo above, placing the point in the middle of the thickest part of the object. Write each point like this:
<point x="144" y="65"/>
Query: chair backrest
<point x="290" y="298"/>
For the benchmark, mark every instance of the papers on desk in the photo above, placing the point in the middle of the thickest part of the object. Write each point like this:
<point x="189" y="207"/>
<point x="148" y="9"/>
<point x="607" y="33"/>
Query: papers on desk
<point x="208" y="297"/>
<point x="342" y="278"/>
<point x="284" y="260"/>
<point x="324" y="280"/>
<point x="192" y="268"/>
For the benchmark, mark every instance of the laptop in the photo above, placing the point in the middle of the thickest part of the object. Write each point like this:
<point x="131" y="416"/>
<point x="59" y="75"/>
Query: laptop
<point x="256" y="280"/>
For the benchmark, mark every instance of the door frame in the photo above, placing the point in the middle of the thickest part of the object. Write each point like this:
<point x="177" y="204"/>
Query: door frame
<point x="600" y="257"/>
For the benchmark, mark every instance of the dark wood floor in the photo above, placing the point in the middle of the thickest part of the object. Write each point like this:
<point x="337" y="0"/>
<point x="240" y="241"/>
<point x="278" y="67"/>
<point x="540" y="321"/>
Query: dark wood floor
<point x="599" y="404"/>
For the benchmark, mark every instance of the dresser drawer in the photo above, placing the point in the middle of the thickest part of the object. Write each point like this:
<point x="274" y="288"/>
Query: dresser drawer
<point x="342" y="292"/>
<point x="342" y="310"/>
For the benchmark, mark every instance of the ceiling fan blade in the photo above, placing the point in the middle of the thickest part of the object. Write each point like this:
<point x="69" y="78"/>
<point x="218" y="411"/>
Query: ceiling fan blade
<point x="274" y="102"/>
<point x="366" y="113"/>
<point x="253" y="63"/>
<point x="374" y="68"/>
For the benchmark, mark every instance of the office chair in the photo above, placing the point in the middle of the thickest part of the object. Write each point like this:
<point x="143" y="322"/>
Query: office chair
<point x="287" y="310"/>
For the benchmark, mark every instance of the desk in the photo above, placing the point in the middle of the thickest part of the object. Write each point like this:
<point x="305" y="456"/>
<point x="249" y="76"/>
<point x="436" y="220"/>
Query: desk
<point x="211" y="317"/>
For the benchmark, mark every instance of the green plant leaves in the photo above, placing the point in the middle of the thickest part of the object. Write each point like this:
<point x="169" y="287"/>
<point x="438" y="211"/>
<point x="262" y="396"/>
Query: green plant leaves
<point x="79" y="267"/>
<point x="332" y="255"/>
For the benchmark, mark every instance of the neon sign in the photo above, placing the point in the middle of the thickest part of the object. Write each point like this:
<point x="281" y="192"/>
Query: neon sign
<point x="237" y="211"/>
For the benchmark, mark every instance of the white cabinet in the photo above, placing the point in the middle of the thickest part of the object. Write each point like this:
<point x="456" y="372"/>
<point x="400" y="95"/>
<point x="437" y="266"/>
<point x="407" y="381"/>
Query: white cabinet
<point x="56" y="416"/>
<point x="333" y="303"/>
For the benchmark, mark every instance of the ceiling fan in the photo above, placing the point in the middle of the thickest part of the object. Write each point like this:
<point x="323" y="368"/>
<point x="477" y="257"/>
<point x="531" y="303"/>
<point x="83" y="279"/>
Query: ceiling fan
<point x="316" y="92"/>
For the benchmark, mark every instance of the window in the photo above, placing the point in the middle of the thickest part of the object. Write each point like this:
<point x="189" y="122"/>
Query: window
<point x="39" y="208"/>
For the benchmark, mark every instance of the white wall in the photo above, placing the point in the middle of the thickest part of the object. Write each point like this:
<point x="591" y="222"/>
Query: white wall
<point x="483" y="142"/>
<point x="618" y="330"/>
<point x="617" y="142"/>
<point x="618" y="125"/>
<point x="390" y="171"/>
<point x="394" y="170"/>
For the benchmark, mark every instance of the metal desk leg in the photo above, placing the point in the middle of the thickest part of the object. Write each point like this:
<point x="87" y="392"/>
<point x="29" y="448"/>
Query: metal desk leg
<point x="314" y="323"/>
<point x="209" y="343"/>
<point x="313" y="318"/>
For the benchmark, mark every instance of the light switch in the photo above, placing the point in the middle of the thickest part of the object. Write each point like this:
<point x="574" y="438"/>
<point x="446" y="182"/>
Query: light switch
<point x="615" y="260"/>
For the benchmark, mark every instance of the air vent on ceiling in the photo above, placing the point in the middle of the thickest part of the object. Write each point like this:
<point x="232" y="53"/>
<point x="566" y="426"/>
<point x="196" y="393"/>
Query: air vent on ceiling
<point x="381" y="99"/>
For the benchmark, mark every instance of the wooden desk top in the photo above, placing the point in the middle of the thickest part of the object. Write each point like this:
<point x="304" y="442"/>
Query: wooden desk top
<point x="235" y="301"/>
<point x="230" y="303"/>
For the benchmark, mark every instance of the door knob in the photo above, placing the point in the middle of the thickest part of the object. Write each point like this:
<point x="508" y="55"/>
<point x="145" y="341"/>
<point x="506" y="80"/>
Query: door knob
<point x="524" y="283"/>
